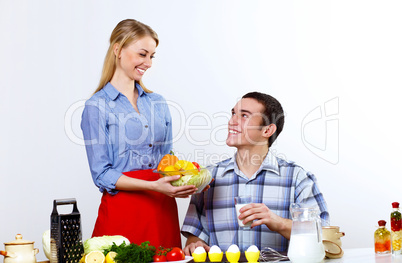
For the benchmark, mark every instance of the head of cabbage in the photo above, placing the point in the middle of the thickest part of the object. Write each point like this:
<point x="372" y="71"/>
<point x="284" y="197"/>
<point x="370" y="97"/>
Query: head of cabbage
<point x="46" y="243"/>
<point x="102" y="243"/>
<point x="199" y="179"/>
<point x="91" y="244"/>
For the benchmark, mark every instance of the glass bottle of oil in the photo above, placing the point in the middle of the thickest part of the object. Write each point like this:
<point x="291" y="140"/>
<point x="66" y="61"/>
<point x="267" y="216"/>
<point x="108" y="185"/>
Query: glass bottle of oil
<point x="396" y="231"/>
<point x="382" y="239"/>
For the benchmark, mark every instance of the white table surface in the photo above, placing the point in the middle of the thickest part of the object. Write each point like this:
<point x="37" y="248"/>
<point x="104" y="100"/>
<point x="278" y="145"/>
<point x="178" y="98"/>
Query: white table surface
<point x="363" y="255"/>
<point x="357" y="255"/>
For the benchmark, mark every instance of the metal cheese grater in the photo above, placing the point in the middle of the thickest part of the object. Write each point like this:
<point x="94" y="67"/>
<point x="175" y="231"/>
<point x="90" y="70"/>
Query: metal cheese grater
<point x="65" y="234"/>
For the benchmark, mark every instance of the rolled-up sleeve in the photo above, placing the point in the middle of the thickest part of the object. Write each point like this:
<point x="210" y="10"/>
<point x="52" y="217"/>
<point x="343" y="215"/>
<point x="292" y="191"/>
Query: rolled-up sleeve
<point x="307" y="192"/>
<point x="98" y="148"/>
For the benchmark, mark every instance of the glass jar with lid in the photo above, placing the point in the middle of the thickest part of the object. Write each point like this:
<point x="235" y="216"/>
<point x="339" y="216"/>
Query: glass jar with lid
<point x="382" y="239"/>
<point x="396" y="231"/>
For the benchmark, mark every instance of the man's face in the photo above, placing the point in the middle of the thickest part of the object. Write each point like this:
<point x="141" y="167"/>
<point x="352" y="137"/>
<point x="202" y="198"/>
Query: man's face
<point x="245" y="125"/>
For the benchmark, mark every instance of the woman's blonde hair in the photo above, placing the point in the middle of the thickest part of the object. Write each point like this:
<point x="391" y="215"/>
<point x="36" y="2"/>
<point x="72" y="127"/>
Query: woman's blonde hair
<point x="124" y="33"/>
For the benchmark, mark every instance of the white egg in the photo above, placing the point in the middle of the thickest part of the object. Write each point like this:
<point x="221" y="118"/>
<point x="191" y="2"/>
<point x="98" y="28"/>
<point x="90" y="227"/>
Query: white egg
<point x="199" y="250"/>
<point x="215" y="249"/>
<point x="233" y="248"/>
<point x="253" y="248"/>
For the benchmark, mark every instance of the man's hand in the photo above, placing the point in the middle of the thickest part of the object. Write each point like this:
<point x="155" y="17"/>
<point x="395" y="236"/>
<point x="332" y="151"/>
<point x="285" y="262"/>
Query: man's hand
<point x="263" y="215"/>
<point x="208" y="186"/>
<point x="192" y="243"/>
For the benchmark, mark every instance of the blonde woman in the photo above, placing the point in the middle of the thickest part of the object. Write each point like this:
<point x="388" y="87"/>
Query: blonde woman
<point x="127" y="130"/>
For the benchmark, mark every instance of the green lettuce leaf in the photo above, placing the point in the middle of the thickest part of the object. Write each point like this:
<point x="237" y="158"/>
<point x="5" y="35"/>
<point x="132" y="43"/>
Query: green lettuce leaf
<point x="200" y="179"/>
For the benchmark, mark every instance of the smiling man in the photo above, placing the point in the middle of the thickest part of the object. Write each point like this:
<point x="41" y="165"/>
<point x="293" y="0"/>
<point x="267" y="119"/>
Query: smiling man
<point x="274" y="184"/>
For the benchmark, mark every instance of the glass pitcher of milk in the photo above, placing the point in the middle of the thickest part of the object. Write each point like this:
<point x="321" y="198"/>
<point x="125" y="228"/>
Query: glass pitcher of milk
<point x="306" y="237"/>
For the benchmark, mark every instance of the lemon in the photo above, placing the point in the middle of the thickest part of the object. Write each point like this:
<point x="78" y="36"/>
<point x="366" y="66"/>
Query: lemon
<point x="184" y="165"/>
<point x="110" y="257"/>
<point x="95" y="257"/>
<point x="82" y="259"/>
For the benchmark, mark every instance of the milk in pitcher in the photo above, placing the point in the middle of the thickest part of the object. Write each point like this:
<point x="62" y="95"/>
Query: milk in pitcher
<point x="306" y="248"/>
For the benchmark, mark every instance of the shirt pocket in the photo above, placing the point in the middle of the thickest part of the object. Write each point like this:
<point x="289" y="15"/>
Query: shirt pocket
<point x="126" y="132"/>
<point x="136" y="132"/>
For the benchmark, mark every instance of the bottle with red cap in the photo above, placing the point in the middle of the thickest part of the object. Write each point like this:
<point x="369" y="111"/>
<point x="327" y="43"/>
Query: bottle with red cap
<point x="396" y="232"/>
<point x="382" y="239"/>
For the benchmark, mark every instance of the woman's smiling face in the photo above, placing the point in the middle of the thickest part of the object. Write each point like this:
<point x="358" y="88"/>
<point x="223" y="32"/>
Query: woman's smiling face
<point x="136" y="58"/>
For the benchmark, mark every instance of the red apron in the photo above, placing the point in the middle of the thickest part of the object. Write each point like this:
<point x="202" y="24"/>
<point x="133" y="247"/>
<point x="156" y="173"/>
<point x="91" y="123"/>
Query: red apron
<point x="140" y="215"/>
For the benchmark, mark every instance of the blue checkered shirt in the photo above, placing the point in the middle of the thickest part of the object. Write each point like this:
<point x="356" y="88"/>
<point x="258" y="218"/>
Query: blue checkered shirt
<point x="211" y="215"/>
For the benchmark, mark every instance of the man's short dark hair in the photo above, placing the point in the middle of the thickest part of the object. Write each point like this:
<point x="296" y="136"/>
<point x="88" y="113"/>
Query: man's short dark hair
<point x="273" y="112"/>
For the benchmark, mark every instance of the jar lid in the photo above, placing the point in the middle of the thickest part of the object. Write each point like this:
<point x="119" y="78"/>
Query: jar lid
<point x="395" y="205"/>
<point x="382" y="223"/>
<point x="19" y="241"/>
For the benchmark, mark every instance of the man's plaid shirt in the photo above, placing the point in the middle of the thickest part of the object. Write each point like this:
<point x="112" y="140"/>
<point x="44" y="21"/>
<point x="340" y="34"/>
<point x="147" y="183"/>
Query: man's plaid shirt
<point x="211" y="215"/>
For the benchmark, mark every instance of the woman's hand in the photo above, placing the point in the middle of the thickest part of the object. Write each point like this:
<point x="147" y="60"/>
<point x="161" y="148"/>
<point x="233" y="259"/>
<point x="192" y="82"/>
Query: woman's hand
<point x="163" y="185"/>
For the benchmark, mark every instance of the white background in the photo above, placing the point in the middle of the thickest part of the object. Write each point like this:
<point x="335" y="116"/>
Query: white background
<point x="340" y="57"/>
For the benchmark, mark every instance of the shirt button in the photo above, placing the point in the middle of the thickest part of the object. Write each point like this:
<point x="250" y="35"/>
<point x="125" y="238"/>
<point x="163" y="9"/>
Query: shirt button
<point x="150" y="145"/>
<point x="149" y="165"/>
<point x="146" y="126"/>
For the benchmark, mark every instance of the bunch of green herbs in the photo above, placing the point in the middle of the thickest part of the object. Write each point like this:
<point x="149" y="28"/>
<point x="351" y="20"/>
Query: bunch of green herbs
<point x="132" y="253"/>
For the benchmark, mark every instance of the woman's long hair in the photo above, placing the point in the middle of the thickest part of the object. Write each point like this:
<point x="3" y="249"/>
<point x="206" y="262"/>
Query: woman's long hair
<point x="124" y="33"/>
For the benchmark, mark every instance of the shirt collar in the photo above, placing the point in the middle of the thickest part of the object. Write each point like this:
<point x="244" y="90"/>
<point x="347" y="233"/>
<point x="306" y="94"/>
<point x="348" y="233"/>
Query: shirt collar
<point x="140" y="89"/>
<point x="113" y="93"/>
<point x="270" y="163"/>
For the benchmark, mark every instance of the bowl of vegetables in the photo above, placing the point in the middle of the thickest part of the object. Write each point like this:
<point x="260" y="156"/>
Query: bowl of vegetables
<point x="191" y="173"/>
